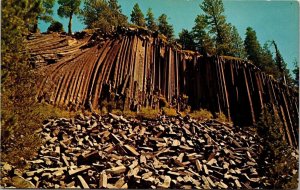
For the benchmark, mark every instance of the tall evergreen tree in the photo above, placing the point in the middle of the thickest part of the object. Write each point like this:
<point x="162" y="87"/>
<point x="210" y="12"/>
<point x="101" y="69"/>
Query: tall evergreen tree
<point x="164" y="27"/>
<point x="253" y="47"/>
<point x="99" y="14"/>
<point x="281" y="66"/>
<point x="216" y="21"/>
<point x="69" y="8"/>
<point x="186" y="39"/>
<point x="203" y="42"/>
<point x="276" y="162"/>
<point x="150" y="21"/>
<point x="268" y="64"/>
<point x="117" y="18"/>
<point x="137" y="16"/>
<point x="94" y="14"/>
<point x="238" y="48"/>
<point x="17" y="81"/>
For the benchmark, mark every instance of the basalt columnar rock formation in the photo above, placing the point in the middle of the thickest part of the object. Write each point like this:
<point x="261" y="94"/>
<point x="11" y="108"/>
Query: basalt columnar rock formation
<point x="136" y="68"/>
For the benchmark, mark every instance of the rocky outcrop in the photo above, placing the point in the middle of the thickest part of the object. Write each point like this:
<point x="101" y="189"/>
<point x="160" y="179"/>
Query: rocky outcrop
<point x="116" y="152"/>
<point x="135" y="68"/>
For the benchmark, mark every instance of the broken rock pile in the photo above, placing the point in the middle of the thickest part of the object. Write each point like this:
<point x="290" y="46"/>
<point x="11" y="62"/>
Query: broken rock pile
<point x="169" y="152"/>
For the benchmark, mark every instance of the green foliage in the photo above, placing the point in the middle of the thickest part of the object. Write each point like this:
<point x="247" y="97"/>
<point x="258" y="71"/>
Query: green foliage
<point x="130" y="114"/>
<point x="267" y="63"/>
<point x="150" y="21"/>
<point x="67" y="9"/>
<point x="277" y="161"/>
<point x="186" y="39"/>
<point x="20" y="114"/>
<point x="296" y="73"/>
<point x="118" y="19"/>
<point x="55" y="27"/>
<point x="221" y="117"/>
<point x="201" y="114"/>
<point x="213" y="34"/>
<point x="148" y="113"/>
<point x="22" y="136"/>
<point x="46" y="10"/>
<point x="204" y="43"/>
<point x="238" y="48"/>
<point x="117" y="112"/>
<point x="253" y="47"/>
<point x="164" y="27"/>
<point x="103" y="15"/>
<point x="263" y="58"/>
<point x="137" y="16"/>
<point x="216" y="21"/>
<point x="169" y="111"/>
<point x="284" y="76"/>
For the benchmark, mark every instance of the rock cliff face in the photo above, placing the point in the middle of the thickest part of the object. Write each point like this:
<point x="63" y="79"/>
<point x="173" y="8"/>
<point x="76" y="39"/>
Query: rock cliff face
<point x="136" y="68"/>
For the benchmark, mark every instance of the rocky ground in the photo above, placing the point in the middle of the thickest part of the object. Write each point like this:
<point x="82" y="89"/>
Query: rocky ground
<point x="114" y="152"/>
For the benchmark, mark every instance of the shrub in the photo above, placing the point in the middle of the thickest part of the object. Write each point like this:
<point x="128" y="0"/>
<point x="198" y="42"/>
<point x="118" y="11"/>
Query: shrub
<point x="129" y="113"/>
<point x="20" y="134"/>
<point x="221" y="117"/>
<point x="116" y="112"/>
<point x="148" y="113"/>
<point x="170" y="111"/>
<point x="201" y="114"/>
<point x="276" y="160"/>
<point x="56" y="27"/>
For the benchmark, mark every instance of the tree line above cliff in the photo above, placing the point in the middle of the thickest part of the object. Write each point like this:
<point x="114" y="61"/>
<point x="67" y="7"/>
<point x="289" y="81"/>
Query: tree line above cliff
<point x="211" y="34"/>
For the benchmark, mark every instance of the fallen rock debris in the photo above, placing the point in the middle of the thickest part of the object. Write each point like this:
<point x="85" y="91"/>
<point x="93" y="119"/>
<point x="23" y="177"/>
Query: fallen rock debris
<point x="113" y="152"/>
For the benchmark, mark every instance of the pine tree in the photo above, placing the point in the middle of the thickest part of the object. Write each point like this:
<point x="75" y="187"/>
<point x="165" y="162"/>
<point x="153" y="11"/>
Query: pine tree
<point x="17" y="81"/>
<point x="216" y="21"/>
<point x="137" y="16"/>
<point x="285" y="76"/>
<point x="117" y="18"/>
<point x="69" y="8"/>
<point x="203" y="41"/>
<point x="268" y="64"/>
<point x="45" y="11"/>
<point x="253" y="47"/>
<point x="186" y="39"/>
<point x="164" y="27"/>
<point x="101" y="14"/>
<point x="94" y="14"/>
<point x="238" y="48"/>
<point x="150" y="21"/>
<point x="276" y="160"/>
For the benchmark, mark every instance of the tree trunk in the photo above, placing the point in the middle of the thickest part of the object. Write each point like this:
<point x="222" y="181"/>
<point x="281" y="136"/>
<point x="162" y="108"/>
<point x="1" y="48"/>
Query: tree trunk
<point x="70" y="24"/>
<point x="34" y="29"/>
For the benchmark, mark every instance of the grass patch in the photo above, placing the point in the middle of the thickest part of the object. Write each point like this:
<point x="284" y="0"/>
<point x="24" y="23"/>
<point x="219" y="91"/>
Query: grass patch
<point x="129" y="113"/>
<point x="170" y="111"/>
<point x="201" y="114"/>
<point x="148" y="113"/>
<point x="117" y="112"/>
<point x="220" y="116"/>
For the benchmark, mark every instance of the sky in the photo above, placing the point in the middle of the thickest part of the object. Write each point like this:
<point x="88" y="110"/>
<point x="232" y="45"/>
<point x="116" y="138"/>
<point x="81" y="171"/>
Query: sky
<point x="271" y="19"/>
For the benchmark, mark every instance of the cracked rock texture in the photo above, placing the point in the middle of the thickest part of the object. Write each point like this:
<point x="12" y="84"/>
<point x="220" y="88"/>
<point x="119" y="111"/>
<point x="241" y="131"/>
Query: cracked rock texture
<point x="134" y="68"/>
